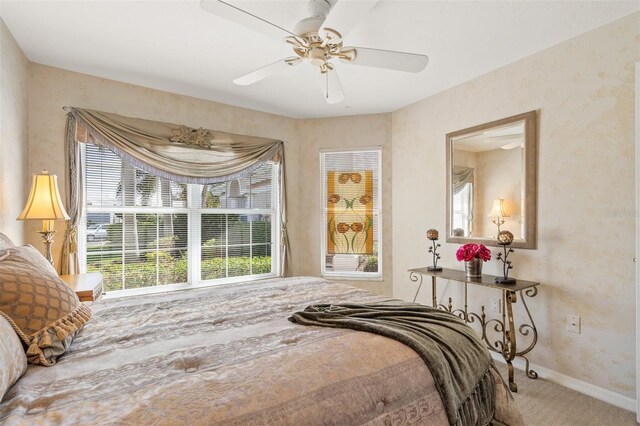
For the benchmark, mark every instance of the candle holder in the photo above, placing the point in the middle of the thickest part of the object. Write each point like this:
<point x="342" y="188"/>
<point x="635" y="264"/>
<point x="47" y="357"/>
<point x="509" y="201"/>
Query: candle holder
<point x="505" y="238"/>
<point x="432" y="235"/>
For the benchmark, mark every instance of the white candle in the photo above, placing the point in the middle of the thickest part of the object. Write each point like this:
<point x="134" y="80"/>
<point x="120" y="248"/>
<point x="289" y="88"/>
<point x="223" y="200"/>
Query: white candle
<point x="47" y="225"/>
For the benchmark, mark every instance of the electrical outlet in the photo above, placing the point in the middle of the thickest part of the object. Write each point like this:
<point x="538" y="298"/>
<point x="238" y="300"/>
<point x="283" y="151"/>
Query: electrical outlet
<point x="573" y="323"/>
<point x="496" y="305"/>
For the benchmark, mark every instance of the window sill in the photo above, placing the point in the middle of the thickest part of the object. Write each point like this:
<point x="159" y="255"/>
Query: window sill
<point x="352" y="277"/>
<point x="168" y="288"/>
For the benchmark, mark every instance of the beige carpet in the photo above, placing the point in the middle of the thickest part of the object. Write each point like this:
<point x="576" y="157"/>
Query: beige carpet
<point x="544" y="403"/>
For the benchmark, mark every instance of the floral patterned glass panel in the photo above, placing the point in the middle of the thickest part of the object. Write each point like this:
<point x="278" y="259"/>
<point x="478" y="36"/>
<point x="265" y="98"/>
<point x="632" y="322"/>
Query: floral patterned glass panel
<point x="350" y="207"/>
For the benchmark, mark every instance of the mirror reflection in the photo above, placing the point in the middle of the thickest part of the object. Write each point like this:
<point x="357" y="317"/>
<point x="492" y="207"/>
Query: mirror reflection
<point x="488" y="182"/>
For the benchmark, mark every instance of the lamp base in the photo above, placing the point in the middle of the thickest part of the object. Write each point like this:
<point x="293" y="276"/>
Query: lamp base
<point x="504" y="280"/>
<point x="47" y="236"/>
<point x="434" y="268"/>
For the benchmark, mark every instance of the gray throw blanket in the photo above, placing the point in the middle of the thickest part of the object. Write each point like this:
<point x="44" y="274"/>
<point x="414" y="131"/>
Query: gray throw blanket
<point x="459" y="362"/>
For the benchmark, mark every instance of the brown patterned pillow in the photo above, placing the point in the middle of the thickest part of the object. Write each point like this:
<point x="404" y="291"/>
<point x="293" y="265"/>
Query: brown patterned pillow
<point x="13" y="362"/>
<point x="45" y="313"/>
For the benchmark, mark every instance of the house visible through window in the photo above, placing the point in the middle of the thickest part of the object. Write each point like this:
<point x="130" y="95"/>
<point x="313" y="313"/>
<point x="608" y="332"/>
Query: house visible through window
<point x="142" y="230"/>
<point x="351" y="205"/>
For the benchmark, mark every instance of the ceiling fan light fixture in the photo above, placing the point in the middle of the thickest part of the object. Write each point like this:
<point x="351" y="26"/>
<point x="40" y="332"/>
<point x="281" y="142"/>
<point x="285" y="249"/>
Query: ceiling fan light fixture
<point x="317" y="56"/>
<point x="331" y="37"/>
<point x="297" y="42"/>
<point x="319" y="51"/>
<point x="293" y="61"/>
<point x="347" y="55"/>
<point x="314" y="40"/>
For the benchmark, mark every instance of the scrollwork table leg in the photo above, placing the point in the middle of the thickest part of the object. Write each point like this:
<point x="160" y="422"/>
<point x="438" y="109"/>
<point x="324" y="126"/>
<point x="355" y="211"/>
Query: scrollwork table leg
<point x="416" y="278"/>
<point x="527" y="328"/>
<point x="434" y="298"/>
<point x="510" y="349"/>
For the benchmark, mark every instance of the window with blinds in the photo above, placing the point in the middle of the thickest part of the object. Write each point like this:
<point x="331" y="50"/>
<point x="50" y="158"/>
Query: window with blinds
<point x="351" y="206"/>
<point x="462" y="216"/>
<point x="141" y="230"/>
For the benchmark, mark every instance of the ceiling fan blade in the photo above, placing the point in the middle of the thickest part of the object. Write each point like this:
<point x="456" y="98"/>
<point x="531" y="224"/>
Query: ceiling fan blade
<point x="389" y="59"/>
<point x="266" y="71"/>
<point x="331" y="87"/>
<point x="346" y="14"/>
<point x="247" y="19"/>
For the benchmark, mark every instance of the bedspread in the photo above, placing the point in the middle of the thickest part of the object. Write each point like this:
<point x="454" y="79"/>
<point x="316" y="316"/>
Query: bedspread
<point x="228" y="355"/>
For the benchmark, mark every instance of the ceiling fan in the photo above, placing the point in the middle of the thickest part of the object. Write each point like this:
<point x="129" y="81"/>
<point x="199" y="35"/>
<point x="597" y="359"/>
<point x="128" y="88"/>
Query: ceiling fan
<point x="318" y="39"/>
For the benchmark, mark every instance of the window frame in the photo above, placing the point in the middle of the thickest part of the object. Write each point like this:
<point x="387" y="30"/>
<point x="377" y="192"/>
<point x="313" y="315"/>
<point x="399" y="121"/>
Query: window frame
<point x="355" y="275"/>
<point x="465" y="216"/>
<point x="194" y="245"/>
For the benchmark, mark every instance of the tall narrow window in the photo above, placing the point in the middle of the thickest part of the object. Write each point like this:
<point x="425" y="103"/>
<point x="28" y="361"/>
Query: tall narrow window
<point x="142" y="230"/>
<point x="462" y="211"/>
<point x="351" y="205"/>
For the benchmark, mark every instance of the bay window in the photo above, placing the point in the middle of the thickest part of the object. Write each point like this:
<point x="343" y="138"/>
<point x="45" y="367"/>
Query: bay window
<point x="142" y="230"/>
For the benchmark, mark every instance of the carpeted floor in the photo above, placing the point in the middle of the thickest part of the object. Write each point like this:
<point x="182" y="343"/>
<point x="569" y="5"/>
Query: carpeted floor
<point x="544" y="403"/>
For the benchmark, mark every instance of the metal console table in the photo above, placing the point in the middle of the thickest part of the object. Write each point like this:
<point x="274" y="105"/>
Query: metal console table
<point x="506" y="328"/>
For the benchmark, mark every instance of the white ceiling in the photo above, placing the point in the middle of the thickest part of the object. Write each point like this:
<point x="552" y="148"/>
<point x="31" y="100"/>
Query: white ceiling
<point x="178" y="47"/>
<point x="505" y="137"/>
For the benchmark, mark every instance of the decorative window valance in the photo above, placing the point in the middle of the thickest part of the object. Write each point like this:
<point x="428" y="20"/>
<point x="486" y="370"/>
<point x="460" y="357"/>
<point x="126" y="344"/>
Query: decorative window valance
<point x="461" y="176"/>
<point x="175" y="152"/>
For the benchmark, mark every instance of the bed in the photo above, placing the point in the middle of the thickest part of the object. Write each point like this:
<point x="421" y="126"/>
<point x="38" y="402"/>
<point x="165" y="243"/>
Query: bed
<point x="228" y="355"/>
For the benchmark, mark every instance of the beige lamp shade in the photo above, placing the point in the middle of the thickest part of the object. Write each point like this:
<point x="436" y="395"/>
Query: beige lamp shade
<point x="498" y="209"/>
<point x="44" y="199"/>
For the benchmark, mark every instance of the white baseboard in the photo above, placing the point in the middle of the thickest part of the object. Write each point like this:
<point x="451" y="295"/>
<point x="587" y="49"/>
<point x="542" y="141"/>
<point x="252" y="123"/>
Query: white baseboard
<point x="577" y="385"/>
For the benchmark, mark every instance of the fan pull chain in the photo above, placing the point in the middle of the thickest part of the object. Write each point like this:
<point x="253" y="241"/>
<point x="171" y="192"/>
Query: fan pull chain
<point x="326" y="81"/>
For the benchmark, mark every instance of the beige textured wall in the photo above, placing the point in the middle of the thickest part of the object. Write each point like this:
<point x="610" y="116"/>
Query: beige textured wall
<point x="465" y="158"/>
<point x="498" y="175"/>
<point x="584" y="90"/>
<point x="14" y="76"/>
<point x="52" y="88"/>
<point x="341" y="132"/>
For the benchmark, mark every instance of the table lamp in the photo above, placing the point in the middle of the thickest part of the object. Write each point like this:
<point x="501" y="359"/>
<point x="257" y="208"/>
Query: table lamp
<point x="44" y="204"/>
<point x="498" y="212"/>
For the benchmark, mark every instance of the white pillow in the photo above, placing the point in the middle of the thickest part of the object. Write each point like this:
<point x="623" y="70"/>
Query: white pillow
<point x="5" y="242"/>
<point x="13" y="360"/>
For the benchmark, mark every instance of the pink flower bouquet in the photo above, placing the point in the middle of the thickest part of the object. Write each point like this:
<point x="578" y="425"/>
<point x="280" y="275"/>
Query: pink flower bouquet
<point x="470" y="251"/>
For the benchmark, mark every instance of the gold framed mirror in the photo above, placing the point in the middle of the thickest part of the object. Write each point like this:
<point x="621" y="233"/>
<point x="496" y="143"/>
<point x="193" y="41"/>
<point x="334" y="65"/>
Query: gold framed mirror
<point x="492" y="182"/>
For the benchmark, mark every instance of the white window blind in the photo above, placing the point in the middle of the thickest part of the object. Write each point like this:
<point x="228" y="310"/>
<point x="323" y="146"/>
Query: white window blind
<point x="462" y="211"/>
<point x="142" y="230"/>
<point x="351" y="212"/>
